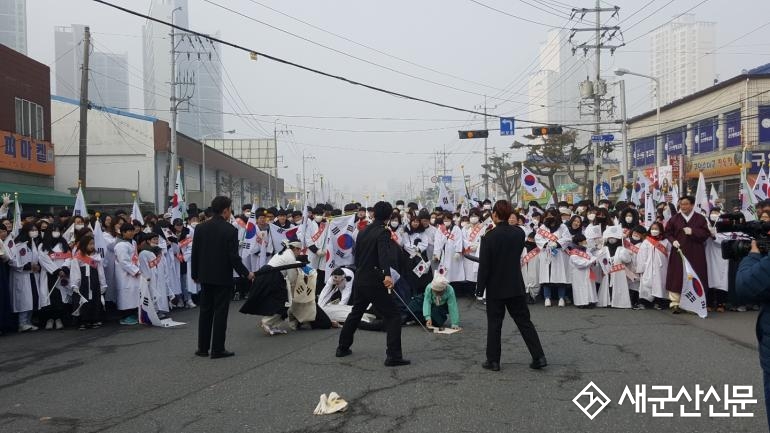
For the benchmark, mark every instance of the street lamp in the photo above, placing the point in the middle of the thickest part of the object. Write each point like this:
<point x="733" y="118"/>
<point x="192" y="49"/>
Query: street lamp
<point x="658" y="148"/>
<point x="203" y="161"/>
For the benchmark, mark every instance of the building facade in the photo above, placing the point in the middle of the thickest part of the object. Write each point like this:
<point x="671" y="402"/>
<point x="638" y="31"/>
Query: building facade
<point x="707" y="132"/>
<point x="13" y="24"/>
<point x="553" y="95"/>
<point x="682" y="57"/>
<point x="198" y="63"/>
<point x="128" y="153"/>
<point x="108" y="77"/>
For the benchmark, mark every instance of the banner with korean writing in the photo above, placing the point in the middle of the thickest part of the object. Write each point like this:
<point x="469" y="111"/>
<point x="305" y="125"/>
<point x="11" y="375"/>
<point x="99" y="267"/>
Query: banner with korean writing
<point x="733" y="128"/>
<point x="22" y="153"/>
<point x="704" y="136"/>
<point x="674" y="142"/>
<point x="764" y="123"/>
<point x="643" y="152"/>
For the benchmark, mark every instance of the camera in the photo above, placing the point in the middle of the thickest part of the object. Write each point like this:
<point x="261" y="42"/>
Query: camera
<point x="736" y="249"/>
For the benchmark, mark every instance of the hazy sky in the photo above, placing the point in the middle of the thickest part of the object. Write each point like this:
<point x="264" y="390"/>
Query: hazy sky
<point x="484" y="51"/>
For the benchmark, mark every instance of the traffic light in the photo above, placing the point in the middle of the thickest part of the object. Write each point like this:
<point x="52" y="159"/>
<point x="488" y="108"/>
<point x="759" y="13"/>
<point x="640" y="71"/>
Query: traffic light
<point x="482" y="133"/>
<point x="546" y="130"/>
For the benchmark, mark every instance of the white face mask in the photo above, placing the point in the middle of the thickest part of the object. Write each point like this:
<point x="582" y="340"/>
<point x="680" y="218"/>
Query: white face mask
<point x="400" y="207"/>
<point x="591" y="217"/>
<point x="432" y="221"/>
<point x="79" y="226"/>
<point x="56" y="235"/>
<point x="193" y="225"/>
<point x="603" y="206"/>
<point x="318" y="218"/>
<point x="535" y="220"/>
<point x="474" y="220"/>
<point x="464" y="224"/>
<point x="487" y="206"/>
<point x="714" y="217"/>
<point x="447" y="223"/>
<point x="629" y="219"/>
<point x="636" y="238"/>
<point x="654" y="232"/>
<point x="247" y="213"/>
<point x="147" y="230"/>
<point x="580" y="209"/>
<point x="33" y="235"/>
<point x="394" y="224"/>
<point x="612" y="241"/>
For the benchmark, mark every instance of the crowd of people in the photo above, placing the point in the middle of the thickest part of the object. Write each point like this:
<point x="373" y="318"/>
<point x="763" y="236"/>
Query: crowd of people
<point x="59" y="271"/>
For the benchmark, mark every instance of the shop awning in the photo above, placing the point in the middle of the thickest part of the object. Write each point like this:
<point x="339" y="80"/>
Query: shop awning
<point x="37" y="195"/>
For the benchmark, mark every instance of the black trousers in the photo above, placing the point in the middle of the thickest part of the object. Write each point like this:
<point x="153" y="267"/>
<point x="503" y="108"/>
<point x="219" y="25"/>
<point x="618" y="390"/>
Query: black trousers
<point x="386" y="305"/>
<point x="517" y="308"/>
<point x="214" y="306"/>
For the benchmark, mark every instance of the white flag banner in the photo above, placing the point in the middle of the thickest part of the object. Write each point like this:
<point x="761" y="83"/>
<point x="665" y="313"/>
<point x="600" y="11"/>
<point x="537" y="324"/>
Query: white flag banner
<point x="701" y="199"/>
<point x="551" y="203"/>
<point x="649" y="210"/>
<point x="530" y="183"/>
<point x="136" y="213"/>
<point x="748" y="202"/>
<point x="340" y="239"/>
<point x="178" y="201"/>
<point x="675" y="194"/>
<point x="99" y="242"/>
<point x="80" y="204"/>
<point x="16" y="218"/>
<point x="761" y="184"/>
<point x="445" y="201"/>
<point x="693" y="293"/>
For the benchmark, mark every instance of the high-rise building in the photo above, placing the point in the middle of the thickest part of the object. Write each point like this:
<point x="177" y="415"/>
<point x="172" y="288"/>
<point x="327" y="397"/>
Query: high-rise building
<point x="553" y="88"/>
<point x="198" y="65"/>
<point x="108" y="80"/>
<point x="13" y="24"/>
<point x="682" y="57"/>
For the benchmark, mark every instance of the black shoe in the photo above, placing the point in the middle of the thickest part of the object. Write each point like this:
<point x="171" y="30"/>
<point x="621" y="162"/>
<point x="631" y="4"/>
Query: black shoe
<point x="491" y="365"/>
<point x="396" y="362"/>
<point x="202" y="353"/>
<point x="676" y="310"/>
<point x="223" y="354"/>
<point x="341" y="352"/>
<point x="539" y="363"/>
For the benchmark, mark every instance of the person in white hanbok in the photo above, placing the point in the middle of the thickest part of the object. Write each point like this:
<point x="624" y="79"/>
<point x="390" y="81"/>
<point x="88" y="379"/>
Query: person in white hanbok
<point x="652" y="264"/>
<point x="581" y="261"/>
<point x="88" y="284"/>
<point x="717" y="266"/>
<point x="632" y="244"/>
<point x="552" y="238"/>
<point x="54" y="256"/>
<point x="27" y="294"/>
<point x="448" y="249"/>
<point x="110" y="239"/>
<point x="472" y="234"/>
<point x="127" y="275"/>
<point x="530" y="267"/>
<point x="613" y="258"/>
<point x="335" y="296"/>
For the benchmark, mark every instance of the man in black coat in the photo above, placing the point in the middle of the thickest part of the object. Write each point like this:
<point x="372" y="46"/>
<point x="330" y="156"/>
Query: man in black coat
<point x="373" y="284"/>
<point x="214" y="257"/>
<point x="500" y="275"/>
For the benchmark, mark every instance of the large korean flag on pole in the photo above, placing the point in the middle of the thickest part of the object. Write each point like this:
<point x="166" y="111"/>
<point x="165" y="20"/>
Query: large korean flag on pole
<point x="693" y="293"/>
<point x="445" y="201"/>
<point x="340" y="240"/>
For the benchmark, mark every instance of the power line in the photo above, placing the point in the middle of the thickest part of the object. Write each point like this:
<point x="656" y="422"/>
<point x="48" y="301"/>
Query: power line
<point x="300" y="66"/>
<point x="657" y="27"/>
<point x="512" y="15"/>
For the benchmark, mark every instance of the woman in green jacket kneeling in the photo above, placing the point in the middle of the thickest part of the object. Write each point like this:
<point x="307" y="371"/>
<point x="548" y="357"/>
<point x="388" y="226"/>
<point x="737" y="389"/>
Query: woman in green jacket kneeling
<point x="439" y="302"/>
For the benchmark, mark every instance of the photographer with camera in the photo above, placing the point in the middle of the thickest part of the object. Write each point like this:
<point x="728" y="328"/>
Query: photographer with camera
<point x="752" y="285"/>
<point x="687" y="231"/>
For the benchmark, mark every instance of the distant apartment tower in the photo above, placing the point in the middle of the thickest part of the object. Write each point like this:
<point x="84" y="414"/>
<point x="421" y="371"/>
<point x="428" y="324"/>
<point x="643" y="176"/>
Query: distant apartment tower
<point x="13" y="24"/>
<point x="553" y="88"/>
<point x="198" y="60"/>
<point x="108" y="78"/>
<point x="683" y="57"/>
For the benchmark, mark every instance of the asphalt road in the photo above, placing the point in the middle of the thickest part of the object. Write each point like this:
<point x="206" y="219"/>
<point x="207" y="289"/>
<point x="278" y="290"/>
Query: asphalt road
<point x="119" y="379"/>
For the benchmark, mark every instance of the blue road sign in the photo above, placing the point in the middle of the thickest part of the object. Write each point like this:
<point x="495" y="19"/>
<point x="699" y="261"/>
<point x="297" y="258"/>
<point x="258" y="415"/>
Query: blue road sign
<point x="446" y="179"/>
<point x="603" y="137"/>
<point x="506" y="125"/>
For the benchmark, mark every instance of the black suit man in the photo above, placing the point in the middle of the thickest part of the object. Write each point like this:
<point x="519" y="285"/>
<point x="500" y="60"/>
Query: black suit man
<point x="500" y="275"/>
<point x="214" y="257"/>
<point x="372" y="285"/>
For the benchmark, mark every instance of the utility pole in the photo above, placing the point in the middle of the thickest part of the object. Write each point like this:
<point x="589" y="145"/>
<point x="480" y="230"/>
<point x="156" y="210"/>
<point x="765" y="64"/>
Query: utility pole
<point x="595" y="91"/>
<point x="83" y="145"/>
<point x="486" y="157"/>
<point x="274" y="178"/>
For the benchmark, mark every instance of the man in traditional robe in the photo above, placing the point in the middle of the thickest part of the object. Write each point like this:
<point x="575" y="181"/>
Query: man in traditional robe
<point x="687" y="231"/>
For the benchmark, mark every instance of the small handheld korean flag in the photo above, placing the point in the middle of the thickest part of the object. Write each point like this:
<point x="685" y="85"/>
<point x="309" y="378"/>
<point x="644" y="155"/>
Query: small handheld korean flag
<point x="693" y="294"/>
<point x="445" y="201"/>
<point x="748" y="202"/>
<point x="421" y="269"/>
<point x="530" y="183"/>
<point x="16" y="217"/>
<point x="80" y="204"/>
<point x="761" y="185"/>
<point x="178" y="201"/>
<point x="99" y="242"/>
